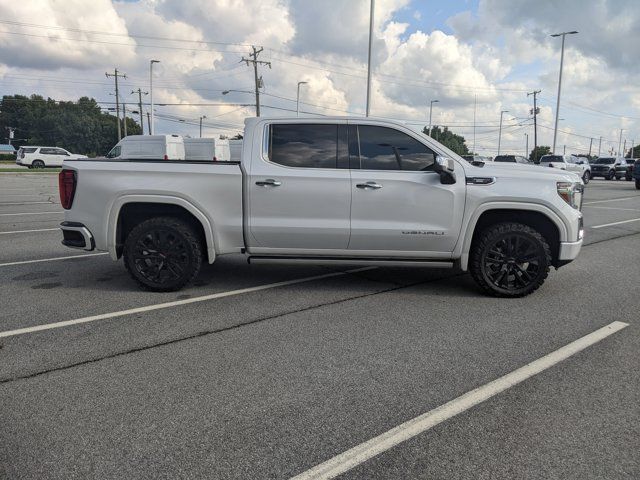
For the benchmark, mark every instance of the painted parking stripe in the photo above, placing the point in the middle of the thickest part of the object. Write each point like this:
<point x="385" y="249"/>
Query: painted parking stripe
<point x="30" y="213"/>
<point x="616" y="223"/>
<point x="30" y="231"/>
<point x="377" y="445"/>
<point x="2" y="204"/>
<point x="610" y="200"/>
<point x="161" y="306"/>
<point x="615" y="208"/>
<point x="54" y="259"/>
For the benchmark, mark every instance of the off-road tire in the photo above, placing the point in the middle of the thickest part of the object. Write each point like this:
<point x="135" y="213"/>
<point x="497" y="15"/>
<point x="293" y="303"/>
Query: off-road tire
<point x="37" y="164"/>
<point x="169" y="242"/>
<point x="482" y="265"/>
<point x="586" y="177"/>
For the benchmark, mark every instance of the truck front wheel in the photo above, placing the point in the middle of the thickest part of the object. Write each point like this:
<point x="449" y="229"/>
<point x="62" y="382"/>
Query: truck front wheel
<point x="510" y="260"/>
<point x="637" y="183"/>
<point x="163" y="254"/>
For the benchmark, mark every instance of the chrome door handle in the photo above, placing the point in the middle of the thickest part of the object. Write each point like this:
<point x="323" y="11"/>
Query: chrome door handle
<point x="269" y="182"/>
<point x="371" y="185"/>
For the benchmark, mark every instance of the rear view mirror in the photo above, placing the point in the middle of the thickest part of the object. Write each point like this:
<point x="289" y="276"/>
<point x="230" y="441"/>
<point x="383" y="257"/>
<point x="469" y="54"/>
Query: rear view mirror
<point x="444" y="167"/>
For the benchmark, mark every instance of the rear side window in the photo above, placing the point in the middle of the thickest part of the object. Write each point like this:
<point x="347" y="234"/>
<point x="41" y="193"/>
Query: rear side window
<point x="383" y="148"/>
<point x="49" y="151"/>
<point x="28" y="149"/>
<point x="304" y="145"/>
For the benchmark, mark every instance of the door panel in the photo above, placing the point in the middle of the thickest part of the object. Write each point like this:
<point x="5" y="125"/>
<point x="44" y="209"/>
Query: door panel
<point x="305" y="203"/>
<point x="398" y="202"/>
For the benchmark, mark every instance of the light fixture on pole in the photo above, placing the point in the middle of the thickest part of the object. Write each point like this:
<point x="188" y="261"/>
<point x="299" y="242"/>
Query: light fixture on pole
<point x="500" y="133"/>
<point x="555" y="130"/>
<point x="430" y="112"/>
<point x="201" y="117"/>
<point x="298" y="98"/>
<point x="151" y="62"/>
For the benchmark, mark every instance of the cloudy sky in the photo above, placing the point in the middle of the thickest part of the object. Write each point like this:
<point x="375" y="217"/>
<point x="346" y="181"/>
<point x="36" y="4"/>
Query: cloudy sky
<point x="464" y="53"/>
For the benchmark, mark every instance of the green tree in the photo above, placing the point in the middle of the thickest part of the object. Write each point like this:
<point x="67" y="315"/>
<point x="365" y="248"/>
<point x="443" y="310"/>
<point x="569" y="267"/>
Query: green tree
<point x="80" y="127"/>
<point x="449" y="139"/>
<point x="634" y="152"/>
<point x="538" y="152"/>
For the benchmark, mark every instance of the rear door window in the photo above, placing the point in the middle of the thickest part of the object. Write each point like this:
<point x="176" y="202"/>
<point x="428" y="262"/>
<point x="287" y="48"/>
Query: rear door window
<point x="48" y="151"/>
<point x="383" y="148"/>
<point x="304" y="145"/>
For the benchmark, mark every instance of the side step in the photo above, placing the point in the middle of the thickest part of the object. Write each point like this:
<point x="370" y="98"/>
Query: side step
<point x="373" y="261"/>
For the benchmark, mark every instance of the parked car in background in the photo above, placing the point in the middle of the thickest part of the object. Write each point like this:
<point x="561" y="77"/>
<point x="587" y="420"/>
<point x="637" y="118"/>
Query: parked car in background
<point x="569" y="163"/>
<point x="476" y="158"/>
<point x="42" y="157"/>
<point x="609" y="167"/>
<point x="628" y="174"/>
<point x="636" y="173"/>
<point x="166" y="147"/>
<point x="207" y="149"/>
<point x="513" y="159"/>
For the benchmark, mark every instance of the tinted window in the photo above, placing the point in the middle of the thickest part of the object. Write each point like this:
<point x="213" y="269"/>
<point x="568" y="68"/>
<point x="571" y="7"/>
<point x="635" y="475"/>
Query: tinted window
<point x="552" y="158"/>
<point x="605" y="161"/>
<point x="505" y="158"/>
<point x="115" y="152"/>
<point x="59" y="151"/>
<point x="28" y="149"/>
<point x="304" y="146"/>
<point x="48" y="151"/>
<point x="384" y="148"/>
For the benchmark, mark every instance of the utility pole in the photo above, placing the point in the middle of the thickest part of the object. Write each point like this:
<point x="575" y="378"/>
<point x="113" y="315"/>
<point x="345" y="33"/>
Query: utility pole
<point x="475" y="107"/>
<point x="631" y="151"/>
<point x="124" y="117"/>
<point x="140" y="93"/>
<point x="526" y="150"/>
<point x="149" y="122"/>
<point x="430" y="112"/>
<point x="590" y="143"/>
<point x="500" y="133"/>
<point x="254" y="60"/>
<point x="152" y="123"/>
<point x="555" y="130"/>
<point x="599" y="146"/>
<point x="624" y="149"/>
<point x="373" y="7"/>
<point x="564" y="151"/>
<point x="11" y="134"/>
<point x="116" y="75"/>
<point x="535" y="112"/>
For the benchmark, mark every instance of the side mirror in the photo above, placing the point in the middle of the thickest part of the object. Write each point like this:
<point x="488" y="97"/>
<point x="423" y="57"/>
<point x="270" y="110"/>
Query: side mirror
<point x="444" y="168"/>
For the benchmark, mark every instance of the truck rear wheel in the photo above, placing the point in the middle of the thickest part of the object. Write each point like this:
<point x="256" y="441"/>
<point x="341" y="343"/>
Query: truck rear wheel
<point x="163" y="254"/>
<point x="510" y="260"/>
<point x="586" y="177"/>
<point x="637" y="184"/>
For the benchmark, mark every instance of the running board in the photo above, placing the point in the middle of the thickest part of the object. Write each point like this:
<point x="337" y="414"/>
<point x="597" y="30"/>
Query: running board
<point x="378" y="262"/>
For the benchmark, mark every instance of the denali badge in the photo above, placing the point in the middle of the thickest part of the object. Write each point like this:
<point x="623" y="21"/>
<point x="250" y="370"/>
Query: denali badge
<point x="421" y="232"/>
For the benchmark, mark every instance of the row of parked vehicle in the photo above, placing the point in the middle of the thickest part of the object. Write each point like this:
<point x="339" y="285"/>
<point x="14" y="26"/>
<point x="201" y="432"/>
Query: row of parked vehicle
<point x="610" y="168"/>
<point x="167" y="147"/>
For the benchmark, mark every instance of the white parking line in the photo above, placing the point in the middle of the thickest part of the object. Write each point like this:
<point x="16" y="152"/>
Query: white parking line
<point x="160" y="306"/>
<point x="30" y="213"/>
<point x="610" y="200"/>
<point x="30" y="231"/>
<point x="377" y="445"/>
<point x="616" y="208"/>
<point x="26" y="203"/>
<point x="616" y="223"/>
<point x="54" y="259"/>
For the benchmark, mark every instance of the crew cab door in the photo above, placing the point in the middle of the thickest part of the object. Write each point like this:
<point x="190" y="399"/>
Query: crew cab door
<point x="399" y="204"/>
<point x="299" y="189"/>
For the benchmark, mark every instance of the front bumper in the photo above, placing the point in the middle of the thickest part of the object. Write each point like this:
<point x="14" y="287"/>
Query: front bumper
<point x="76" y="235"/>
<point x="569" y="251"/>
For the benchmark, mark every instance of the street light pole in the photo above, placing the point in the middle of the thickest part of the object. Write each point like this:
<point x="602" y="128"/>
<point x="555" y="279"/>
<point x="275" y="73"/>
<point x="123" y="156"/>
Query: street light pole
<point x="620" y="141"/>
<point x="430" y="112"/>
<point x="151" y="62"/>
<point x="500" y="132"/>
<point x="555" y="130"/>
<point x="201" y="117"/>
<point x="368" y="108"/>
<point x="298" y="99"/>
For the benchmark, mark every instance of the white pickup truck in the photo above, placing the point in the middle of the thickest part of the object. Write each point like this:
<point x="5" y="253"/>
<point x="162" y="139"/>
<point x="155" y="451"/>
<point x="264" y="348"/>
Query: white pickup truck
<point x="327" y="191"/>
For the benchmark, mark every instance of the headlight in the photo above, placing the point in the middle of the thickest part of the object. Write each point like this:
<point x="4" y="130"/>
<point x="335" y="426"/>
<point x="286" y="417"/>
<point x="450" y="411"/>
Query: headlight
<point x="571" y="192"/>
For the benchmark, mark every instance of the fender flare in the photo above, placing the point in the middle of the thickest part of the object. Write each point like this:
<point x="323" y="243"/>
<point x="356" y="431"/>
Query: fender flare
<point x="116" y="207"/>
<point x="486" y="207"/>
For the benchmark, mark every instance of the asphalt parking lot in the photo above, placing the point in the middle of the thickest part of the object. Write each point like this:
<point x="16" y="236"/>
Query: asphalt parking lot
<point x="269" y="371"/>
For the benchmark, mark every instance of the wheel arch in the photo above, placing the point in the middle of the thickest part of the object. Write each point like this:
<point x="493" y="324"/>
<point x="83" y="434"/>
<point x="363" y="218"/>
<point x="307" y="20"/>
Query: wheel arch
<point x="538" y="217"/>
<point x="128" y="211"/>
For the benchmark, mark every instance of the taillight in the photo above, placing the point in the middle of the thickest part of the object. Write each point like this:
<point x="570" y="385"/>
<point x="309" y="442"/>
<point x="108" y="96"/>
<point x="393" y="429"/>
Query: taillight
<point x="67" y="186"/>
<point x="166" y="157"/>
<point x="215" y="159"/>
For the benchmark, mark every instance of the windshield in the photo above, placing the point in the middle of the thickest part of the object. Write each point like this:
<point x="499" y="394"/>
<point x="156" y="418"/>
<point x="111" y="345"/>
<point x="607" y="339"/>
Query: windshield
<point x="605" y="161"/>
<point x="551" y="158"/>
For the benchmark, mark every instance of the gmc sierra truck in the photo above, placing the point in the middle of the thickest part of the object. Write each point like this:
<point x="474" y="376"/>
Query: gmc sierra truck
<point x="330" y="191"/>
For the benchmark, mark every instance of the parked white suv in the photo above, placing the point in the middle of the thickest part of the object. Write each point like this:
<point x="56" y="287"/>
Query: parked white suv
<point x="41" y="157"/>
<point x="570" y="163"/>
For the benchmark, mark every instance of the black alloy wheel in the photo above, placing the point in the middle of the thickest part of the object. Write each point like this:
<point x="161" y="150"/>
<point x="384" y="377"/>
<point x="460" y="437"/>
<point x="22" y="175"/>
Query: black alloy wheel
<point x="163" y="254"/>
<point x="510" y="260"/>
